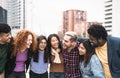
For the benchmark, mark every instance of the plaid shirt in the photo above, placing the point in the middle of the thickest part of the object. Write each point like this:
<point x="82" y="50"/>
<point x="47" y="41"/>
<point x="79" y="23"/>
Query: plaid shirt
<point x="71" y="60"/>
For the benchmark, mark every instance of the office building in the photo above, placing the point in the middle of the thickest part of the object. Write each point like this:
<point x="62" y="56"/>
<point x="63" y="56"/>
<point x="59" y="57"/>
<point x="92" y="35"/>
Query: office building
<point x="75" y="20"/>
<point x="3" y="12"/>
<point x="3" y="15"/>
<point x="112" y="16"/>
<point x="16" y="14"/>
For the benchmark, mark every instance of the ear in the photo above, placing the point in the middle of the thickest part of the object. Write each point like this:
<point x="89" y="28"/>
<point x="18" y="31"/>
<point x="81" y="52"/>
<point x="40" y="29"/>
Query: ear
<point x="0" y="37"/>
<point x="73" y="43"/>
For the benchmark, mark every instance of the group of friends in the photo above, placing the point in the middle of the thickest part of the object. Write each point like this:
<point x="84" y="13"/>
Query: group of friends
<point x="51" y="57"/>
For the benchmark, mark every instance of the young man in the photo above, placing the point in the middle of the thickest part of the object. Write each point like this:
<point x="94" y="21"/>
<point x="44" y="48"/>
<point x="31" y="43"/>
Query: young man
<point x="71" y="55"/>
<point x="4" y="39"/>
<point x="107" y="49"/>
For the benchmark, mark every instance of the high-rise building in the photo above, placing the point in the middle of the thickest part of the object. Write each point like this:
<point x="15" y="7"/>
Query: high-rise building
<point x="16" y="15"/>
<point x="3" y="12"/>
<point x="20" y="14"/>
<point x="75" y="20"/>
<point x="112" y="16"/>
<point x="3" y="15"/>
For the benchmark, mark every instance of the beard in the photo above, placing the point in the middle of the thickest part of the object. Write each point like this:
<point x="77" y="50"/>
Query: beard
<point x="8" y="41"/>
<point x="64" y="46"/>
<point x="94" y="45"/>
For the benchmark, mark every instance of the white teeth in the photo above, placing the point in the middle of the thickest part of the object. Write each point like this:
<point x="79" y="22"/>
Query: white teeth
<point x="91" y="43"/>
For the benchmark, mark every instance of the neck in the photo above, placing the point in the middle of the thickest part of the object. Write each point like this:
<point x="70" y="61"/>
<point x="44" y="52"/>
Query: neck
<point x="84" y="57"/>
<point x="1" y="42"/>
<point x="103" y="42"/>
<point x="41" y="50"/>
<point x="70" y="48"/>
<point x="22" y="50"/>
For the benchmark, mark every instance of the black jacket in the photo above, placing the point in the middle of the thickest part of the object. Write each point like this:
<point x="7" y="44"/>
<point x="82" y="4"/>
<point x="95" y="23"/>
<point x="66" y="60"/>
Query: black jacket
<point x="10" y="64"/>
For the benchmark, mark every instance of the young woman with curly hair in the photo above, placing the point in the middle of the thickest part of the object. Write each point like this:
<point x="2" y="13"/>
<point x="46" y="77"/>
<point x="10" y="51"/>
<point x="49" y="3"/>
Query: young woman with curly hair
<point x="20" y="53"/>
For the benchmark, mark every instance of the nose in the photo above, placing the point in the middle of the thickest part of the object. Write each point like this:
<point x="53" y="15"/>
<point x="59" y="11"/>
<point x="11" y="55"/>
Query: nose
<point x="30" y="41"/>
<point x="9" y="36"/>
<point x="79" y="49"/>
<point x="63" y="42"/>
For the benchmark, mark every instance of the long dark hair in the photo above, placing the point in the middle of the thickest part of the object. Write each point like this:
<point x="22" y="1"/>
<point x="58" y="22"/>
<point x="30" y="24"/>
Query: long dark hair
<point x="36" y="55"/>
<point x="49" y="44"/>
<point x="89" y="52"/>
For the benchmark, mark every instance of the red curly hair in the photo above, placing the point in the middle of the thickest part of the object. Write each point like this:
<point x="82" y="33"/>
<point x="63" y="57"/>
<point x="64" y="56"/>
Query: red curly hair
<point x="20" y="40"/>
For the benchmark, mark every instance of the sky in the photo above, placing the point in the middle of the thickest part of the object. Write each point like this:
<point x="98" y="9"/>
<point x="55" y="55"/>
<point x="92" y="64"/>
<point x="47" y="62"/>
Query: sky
<point x="0" y="3"/>
<point x="47" y="14"/>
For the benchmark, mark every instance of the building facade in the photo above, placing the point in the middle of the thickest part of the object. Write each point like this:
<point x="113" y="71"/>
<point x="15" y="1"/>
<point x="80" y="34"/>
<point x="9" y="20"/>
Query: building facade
<point x="112" y="16"/>
<point x="75" y="20"/>
<point x="3" y="12"/>
<point x="3" y="15"/>
<point x="16" y="14"/>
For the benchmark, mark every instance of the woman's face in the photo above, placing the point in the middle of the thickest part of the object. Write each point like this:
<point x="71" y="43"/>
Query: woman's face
<point x="42" y="44"/>
<point x="82" y="50"/>
<point x="29" y="41"/>
<point x="54" y="42"/>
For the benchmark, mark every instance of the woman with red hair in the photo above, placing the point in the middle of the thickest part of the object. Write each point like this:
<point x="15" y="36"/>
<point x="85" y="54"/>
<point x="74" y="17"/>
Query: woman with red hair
<point x="20" y="53"/>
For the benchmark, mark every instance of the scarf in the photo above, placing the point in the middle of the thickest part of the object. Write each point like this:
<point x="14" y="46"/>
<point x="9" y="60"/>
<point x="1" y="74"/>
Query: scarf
<point x="56" y="54"/>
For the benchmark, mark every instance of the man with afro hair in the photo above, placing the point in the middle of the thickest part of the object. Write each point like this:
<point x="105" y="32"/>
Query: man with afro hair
<point x="107" y="49"/>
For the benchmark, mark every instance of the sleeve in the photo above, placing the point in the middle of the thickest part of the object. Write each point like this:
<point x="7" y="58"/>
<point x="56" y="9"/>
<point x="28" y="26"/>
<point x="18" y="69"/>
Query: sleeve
<point x="96" y="67"/>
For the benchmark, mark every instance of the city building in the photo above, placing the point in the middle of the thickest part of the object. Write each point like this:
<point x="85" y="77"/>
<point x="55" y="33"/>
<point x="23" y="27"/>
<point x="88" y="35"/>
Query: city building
<point x="112" y="16"/>
<point x="3" y="15"/>
<point x="3" y="12"/>
<point x="16" y="14"/>
<point x="75" y="20"/>
<point x="22" y="15"/>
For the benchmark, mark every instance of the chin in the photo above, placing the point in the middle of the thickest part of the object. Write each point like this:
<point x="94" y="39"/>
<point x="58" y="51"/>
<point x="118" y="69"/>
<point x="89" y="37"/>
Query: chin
<point x="94" y="45"/>
<point x="28" y="46"/>
<point x="8" y="41"/>
<point x="64" y="47"/>
<point x="81" y="54"/>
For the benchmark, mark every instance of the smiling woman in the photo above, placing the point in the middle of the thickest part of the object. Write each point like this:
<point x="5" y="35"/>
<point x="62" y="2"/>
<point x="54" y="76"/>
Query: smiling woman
<point x="90" y="65"/>
<point x="24" y="44"/>
<point x="39" y="62"/>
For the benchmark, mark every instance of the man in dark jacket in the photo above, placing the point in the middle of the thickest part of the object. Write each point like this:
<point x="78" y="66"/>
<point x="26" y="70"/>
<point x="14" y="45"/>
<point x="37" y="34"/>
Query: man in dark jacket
<point x="4" y="39"/>
<point x="107" y="49"/>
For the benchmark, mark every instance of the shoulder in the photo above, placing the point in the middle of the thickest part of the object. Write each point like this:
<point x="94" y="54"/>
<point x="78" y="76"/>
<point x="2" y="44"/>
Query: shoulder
<point x="94" y="56"/>
<point x="113" y="39"/>
<point x="94" y="59"/>
<point x="113" y="42"/>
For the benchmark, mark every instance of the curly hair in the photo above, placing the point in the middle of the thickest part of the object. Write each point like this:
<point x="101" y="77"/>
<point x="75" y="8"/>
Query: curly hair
<point x="97" y="31"/>
<point x="20" y="41"/>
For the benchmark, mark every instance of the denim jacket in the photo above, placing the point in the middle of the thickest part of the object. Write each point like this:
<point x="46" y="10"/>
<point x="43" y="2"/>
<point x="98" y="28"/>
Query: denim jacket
<point x="93" y="69"/>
